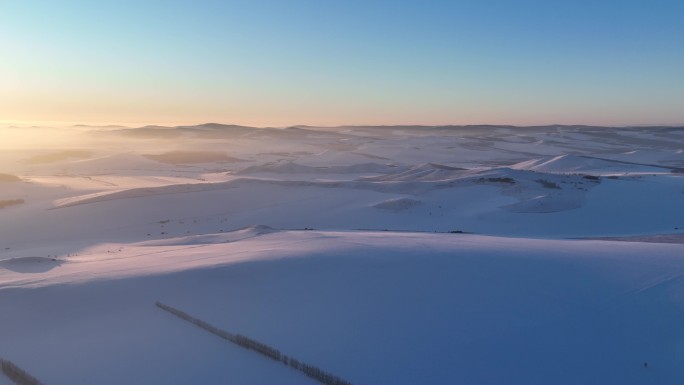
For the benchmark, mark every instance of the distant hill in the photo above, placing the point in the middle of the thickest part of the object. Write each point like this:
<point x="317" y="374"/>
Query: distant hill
<point x="9" y="178"/>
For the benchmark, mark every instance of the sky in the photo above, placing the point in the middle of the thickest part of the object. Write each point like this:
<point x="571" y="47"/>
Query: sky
<point x="330" y="62"/>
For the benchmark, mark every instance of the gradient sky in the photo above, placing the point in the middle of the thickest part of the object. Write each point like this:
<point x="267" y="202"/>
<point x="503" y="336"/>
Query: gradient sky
<point x="329" y="62"/>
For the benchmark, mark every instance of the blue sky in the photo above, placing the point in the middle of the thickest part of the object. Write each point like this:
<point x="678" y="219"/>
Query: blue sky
<point x="343" y="62"/>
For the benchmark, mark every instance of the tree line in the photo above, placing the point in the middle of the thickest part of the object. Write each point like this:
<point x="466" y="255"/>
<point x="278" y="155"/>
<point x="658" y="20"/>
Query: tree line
<point x="18" y="375"/>
<point x="259" y="347"/>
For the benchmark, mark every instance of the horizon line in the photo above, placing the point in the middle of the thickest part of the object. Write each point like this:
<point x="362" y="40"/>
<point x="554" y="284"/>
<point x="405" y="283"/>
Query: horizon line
<point x="72" y="124"/>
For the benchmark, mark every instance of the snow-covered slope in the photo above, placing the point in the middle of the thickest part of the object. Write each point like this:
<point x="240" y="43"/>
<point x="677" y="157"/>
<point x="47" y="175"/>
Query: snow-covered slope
<point x="572" y="163"/>
<point x="373" y="308"/>
<point x="355" y="267"/>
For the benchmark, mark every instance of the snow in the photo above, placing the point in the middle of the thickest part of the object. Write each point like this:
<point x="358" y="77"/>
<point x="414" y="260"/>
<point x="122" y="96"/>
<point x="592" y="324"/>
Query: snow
<point x="337" y="246"/>
<point x="571" y="163"/>
<point x="381" y="308"/>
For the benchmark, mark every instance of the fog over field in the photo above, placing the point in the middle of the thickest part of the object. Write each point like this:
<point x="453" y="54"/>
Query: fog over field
<point x="378" y="254"/>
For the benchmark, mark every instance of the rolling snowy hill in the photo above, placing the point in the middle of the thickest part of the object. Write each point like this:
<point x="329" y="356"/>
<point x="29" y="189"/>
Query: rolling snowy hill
<point x="383" y="255"/>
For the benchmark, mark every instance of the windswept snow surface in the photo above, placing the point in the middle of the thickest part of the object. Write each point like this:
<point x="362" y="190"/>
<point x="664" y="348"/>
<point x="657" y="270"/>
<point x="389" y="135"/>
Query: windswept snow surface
<point x="372" y="307"/>
<point x="568" y="269"/>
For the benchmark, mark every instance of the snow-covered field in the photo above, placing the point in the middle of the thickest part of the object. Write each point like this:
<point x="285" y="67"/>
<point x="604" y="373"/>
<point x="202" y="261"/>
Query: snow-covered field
<point x="384" y="255"/>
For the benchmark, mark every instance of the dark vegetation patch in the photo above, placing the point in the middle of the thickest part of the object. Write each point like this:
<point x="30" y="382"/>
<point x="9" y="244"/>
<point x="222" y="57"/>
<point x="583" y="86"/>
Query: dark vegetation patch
<point x="497" y="180"/>
<point x="16" y="374"/>
<point x="548" y="184"/>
